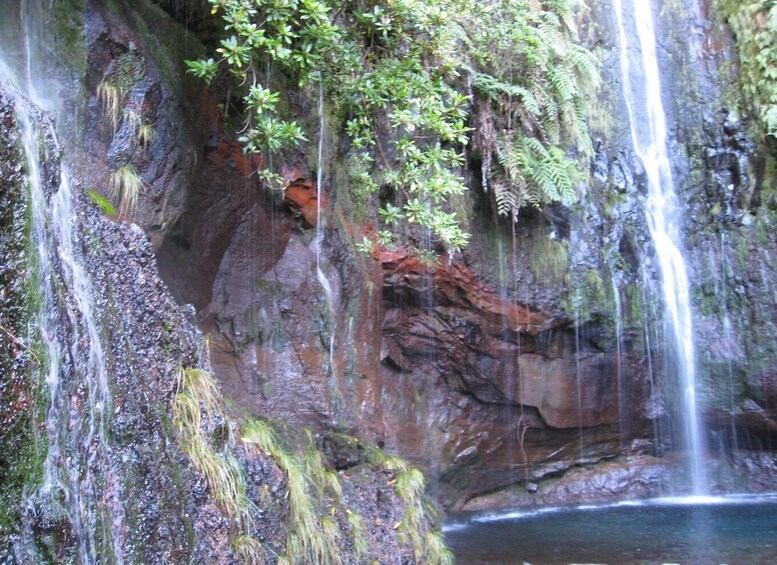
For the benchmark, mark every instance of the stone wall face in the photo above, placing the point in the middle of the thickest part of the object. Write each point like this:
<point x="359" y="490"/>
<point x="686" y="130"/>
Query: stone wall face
<point x="534" y="352"/>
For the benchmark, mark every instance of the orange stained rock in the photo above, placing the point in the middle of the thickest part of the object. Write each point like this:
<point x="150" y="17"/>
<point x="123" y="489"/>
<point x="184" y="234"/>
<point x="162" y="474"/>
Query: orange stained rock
<point x="301" y="195"/>
<point x="457" y="285"/>
<point x="232" y="151"/>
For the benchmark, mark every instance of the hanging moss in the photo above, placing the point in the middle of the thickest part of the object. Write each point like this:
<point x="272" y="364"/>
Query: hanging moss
<point x="549" y="259"/>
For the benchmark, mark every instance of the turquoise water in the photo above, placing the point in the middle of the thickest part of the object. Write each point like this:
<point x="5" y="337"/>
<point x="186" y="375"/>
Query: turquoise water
<point x="689" y="531"/>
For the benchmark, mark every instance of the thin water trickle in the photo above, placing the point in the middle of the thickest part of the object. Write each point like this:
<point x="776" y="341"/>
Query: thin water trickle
<point x="579" y="373"/>
<point x="510" y="383"/>
<point x="649" y="137"/>
<point x="654" y="409"/>
<point x="320" y="274"/>
<point x="618" y="360"/>
<point x="728" y="337"/>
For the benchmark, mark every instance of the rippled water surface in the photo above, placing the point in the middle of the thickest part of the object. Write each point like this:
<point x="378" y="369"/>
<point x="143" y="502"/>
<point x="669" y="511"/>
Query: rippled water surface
<point x="693" y="531"/>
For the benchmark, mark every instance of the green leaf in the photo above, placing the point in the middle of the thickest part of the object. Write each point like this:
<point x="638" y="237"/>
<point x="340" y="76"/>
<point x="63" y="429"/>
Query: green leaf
<point x="104" y="204"/>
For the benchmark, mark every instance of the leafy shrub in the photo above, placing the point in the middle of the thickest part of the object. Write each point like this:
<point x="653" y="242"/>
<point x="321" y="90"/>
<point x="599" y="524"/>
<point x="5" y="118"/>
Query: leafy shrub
<point x="404" y="75"/>
<point x="754" y="23"/>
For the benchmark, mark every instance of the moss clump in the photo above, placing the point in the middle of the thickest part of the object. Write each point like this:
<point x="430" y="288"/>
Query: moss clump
<point x="69" y="33"/>
<point x="22" y="450"/>
<point x="549" y="259"/>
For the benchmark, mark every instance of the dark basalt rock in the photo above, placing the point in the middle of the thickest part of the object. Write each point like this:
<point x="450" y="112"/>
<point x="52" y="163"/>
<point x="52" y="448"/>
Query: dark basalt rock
<point x="485" y="379"/>
<point x="124" y="51"/>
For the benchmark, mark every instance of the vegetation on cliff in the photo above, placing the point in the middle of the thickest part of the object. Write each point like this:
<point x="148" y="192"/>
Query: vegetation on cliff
<point x="414" y="83"/>
<point x="754" y="24"/>
<point x="323" y="522"/>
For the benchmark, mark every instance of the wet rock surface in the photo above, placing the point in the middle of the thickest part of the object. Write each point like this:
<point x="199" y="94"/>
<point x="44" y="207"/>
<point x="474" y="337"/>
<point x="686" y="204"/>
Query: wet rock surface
<point x="484" y="392"/>
<point x="139" y="495"/>
<point x="483" y="378"/>
<point x="633" y="477"/>
<point x="138" y="111"/>
<point x="18" y="389"/>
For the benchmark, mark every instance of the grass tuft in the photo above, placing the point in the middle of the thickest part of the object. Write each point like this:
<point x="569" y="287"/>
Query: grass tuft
<point x="436" y="551"/>
<point x="308" y="538"/>
<point x="124" y="187"/>
<point x="198" y="395"/>
<point x="410" y="485"/>
<point x="110" y="97"/>
<point x="142" y="134"/>
<point x="249" y="550"/>
<point x="359" y="533"/>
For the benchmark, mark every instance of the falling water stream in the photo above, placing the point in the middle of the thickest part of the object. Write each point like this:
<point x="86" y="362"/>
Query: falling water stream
<point x="75" y="470"/>
<point x="320" y="274"/>
<point x="618" y="357"/>
<point x="664" y="215"/>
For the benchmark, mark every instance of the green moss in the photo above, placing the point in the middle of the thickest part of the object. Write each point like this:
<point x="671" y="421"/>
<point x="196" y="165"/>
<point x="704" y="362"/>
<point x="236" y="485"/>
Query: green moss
<point x="549" y="259"/>
<point x="165" y="41"/>
<point x="22" y="356"/>
<point x="69" y="33"/>
<point x="754" y="26"/>
<point x="179" y="489"/>
<point x="636" y="313"/>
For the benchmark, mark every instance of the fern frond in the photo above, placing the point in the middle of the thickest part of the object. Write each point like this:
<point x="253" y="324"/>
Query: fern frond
<point x="563" y="9"/>
<point x="507" y="200"/>
<point x="551" y="123"/>
<point x="562" y="83"/>
<point x="585" y="64"/>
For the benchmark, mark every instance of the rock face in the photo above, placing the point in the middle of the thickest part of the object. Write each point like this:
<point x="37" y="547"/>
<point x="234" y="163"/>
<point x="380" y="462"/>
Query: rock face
<point x="137" y="112"/>
<point x="536" y="358"/>
<point x="96" y="467"/>
<point x="508" y="393"/>
<point x="17" y="388"/>
<point x="539" y="350"/>
<point x="145" y="518"/>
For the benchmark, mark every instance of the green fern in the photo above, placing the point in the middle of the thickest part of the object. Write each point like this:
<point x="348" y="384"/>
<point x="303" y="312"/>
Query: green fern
<point x="533" y="75"/>
<point x="754" y="24"/>
<point x="535" y="175"/>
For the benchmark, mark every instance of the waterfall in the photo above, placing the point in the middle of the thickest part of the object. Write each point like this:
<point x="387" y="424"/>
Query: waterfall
<point x="320" y="274"/>
<point x="76" y="479"/>
<point x="649" y="137"/>
<point x="618" y="357"/>
<point x="76" y="374"/>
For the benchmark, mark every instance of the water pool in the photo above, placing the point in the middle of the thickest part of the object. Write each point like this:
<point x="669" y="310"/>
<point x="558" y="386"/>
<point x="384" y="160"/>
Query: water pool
<point x="692" y="531"/>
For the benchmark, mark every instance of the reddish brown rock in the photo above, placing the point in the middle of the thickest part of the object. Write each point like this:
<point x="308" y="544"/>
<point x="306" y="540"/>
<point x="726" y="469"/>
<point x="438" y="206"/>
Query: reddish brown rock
<point x="483" y="392"/>
<point x="301" y="196"/>
<point x="454" y="284"/>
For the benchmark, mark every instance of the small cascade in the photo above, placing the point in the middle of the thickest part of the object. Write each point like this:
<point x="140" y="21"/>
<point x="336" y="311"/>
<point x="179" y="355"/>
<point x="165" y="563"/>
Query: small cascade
<point x="655" y="408"/>
<point x="319" y="182"/>
<point x="729" y="338"/>
<point x="618" y="358"/>
<point x="320" y="274"/>
<point x="77" y="484"/>
<point x="76" y="375"/>
<point x="649" y="137"/>
<point x="579" y="371"/>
